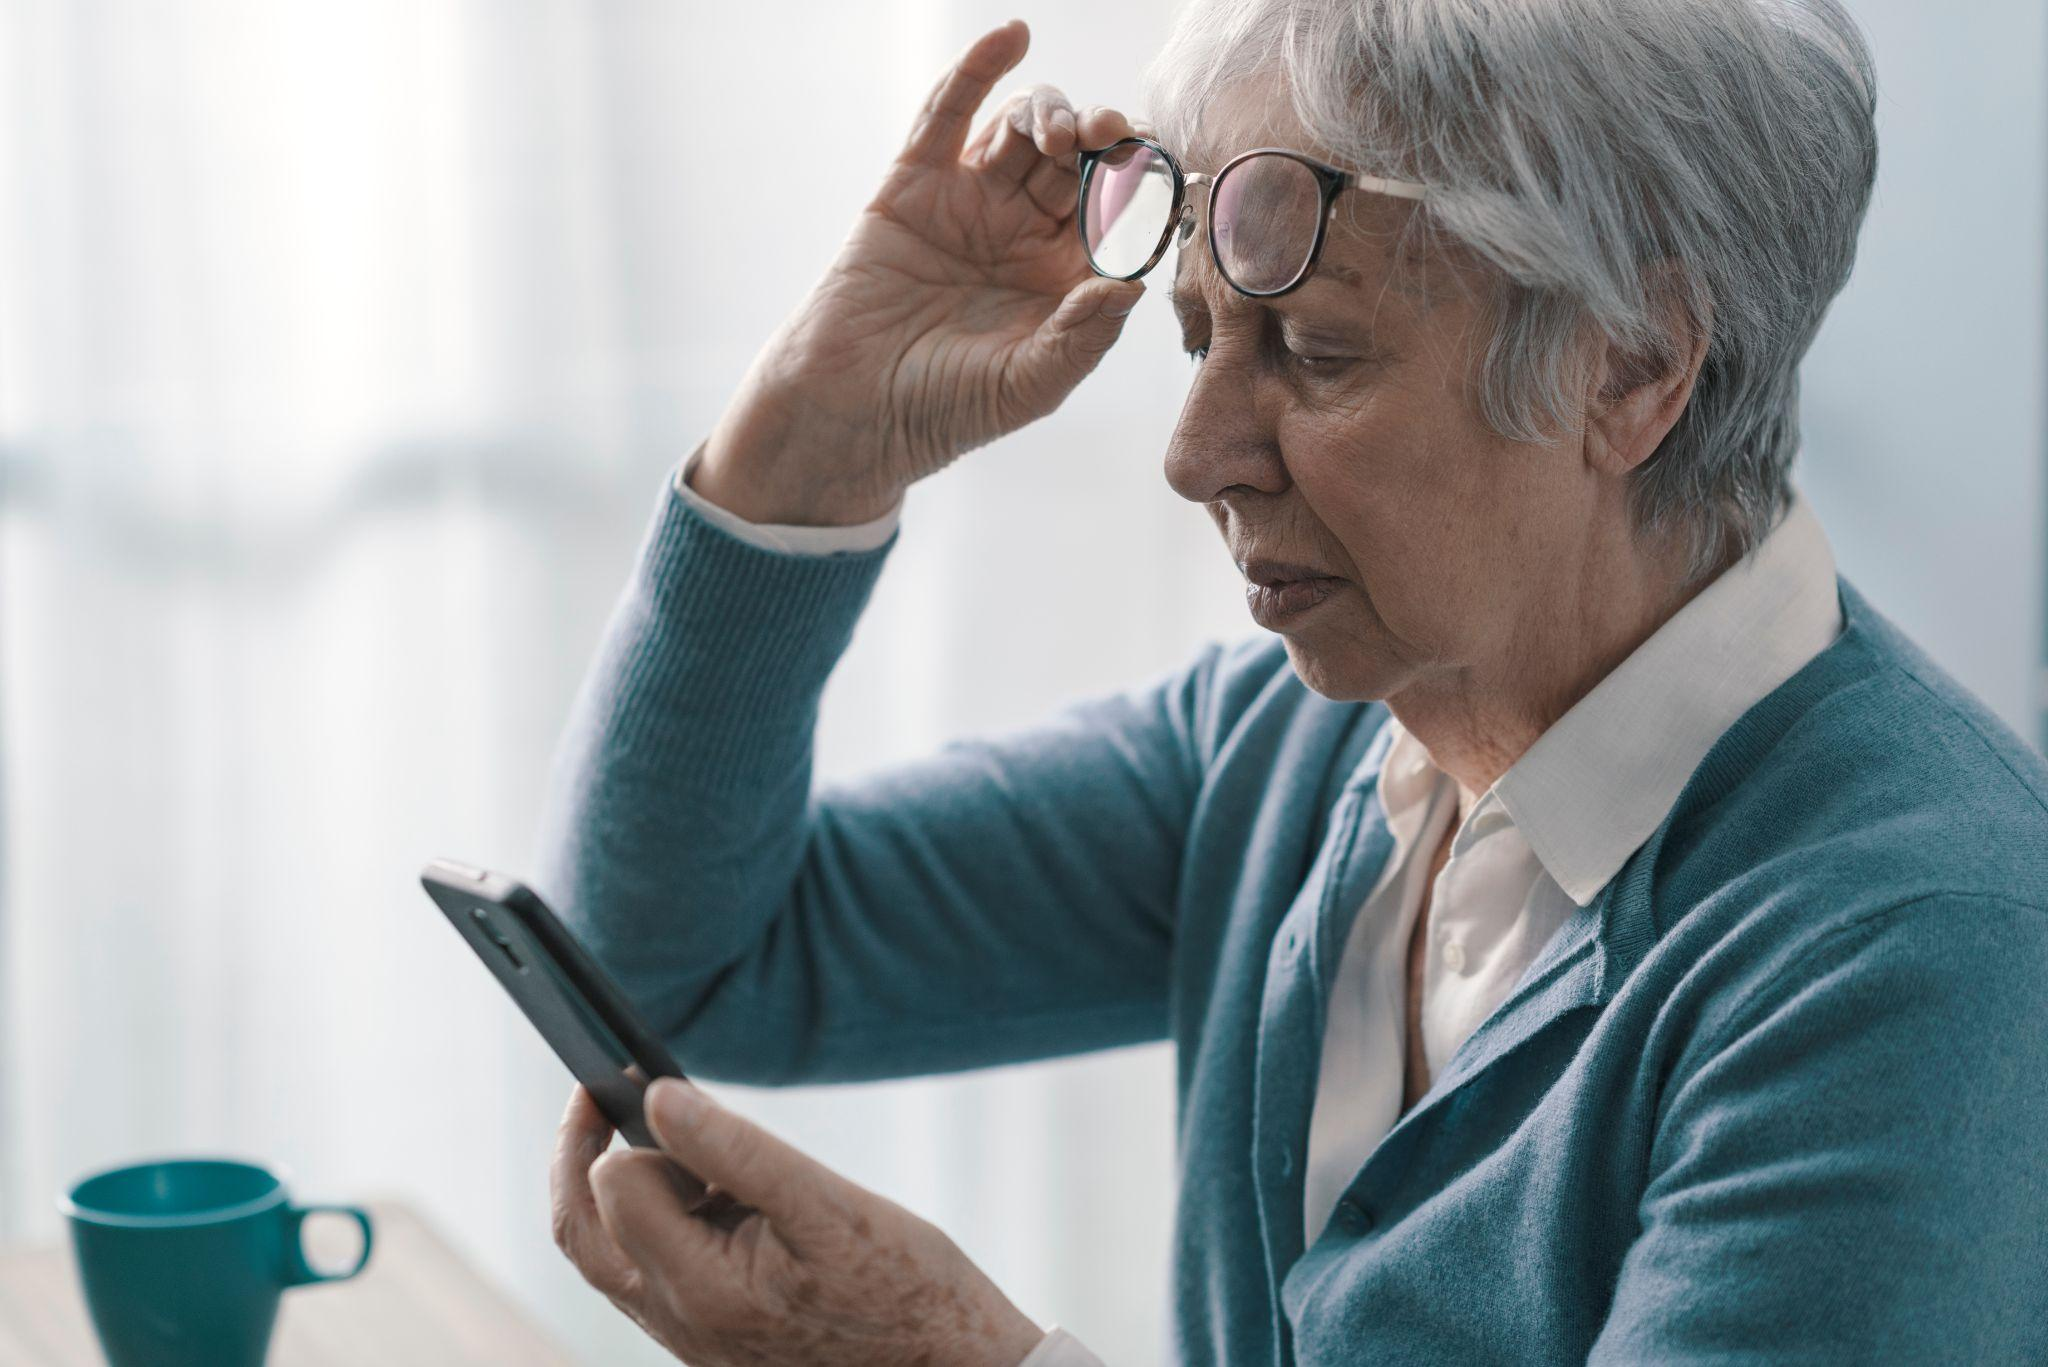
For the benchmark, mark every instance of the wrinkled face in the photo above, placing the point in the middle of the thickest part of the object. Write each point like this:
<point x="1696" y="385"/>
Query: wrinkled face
<point x="1336" y="432"/>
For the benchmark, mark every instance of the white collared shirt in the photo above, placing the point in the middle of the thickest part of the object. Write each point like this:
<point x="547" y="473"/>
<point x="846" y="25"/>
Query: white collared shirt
<point x="1544" y="839"/>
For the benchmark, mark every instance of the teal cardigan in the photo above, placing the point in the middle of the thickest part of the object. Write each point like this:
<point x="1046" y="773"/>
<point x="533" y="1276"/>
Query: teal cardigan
<point x="1780" y="1092"/>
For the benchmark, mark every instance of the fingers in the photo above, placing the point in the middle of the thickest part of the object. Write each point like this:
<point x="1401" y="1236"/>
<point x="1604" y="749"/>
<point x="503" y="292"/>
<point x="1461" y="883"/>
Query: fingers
<point x="942" y="125"/>
<point x="578" y="1228"/>
<point x="719" y="1208"/>
<point x="1099" y="126"/>
<point x="1052" y="124"/>
<point x="1032" y="139"/>
<point x="1032" y="125"/>
<point x="645" y="1216"/>
<point x="1055" y="187"/>
<point x="799" y="1195"/>
<point x="1070" y="343"/>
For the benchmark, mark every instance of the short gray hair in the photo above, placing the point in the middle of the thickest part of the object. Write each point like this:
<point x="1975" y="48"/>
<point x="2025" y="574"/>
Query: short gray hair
<point x="1573" y="148"/>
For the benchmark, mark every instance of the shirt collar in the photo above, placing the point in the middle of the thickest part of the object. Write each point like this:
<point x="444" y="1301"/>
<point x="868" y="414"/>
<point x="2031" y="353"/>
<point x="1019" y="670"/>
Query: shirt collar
<point x="1600" y="780"/>
<point x="1596" y="784"/>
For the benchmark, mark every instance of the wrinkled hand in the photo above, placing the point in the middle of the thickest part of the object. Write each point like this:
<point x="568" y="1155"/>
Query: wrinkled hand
<point x="810" y="1269"/>
<point x="960" y="308"/>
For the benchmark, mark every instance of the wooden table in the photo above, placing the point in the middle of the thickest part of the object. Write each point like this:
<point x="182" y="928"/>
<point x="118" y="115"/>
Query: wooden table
<point x="416" y="1305"/>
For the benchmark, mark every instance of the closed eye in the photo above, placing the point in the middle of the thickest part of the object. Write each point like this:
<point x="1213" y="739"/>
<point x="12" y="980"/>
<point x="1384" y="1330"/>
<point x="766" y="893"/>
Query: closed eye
<point x="1318" y="363"/>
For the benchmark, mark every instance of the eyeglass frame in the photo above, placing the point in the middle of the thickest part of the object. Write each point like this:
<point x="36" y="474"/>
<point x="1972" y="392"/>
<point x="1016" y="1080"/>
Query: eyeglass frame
<point x="1331" y="181"/>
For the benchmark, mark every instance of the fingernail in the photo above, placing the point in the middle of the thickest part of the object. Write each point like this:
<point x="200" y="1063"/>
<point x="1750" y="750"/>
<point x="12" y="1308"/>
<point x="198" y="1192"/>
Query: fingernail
<point x="1119" y="305"/>
<point x="675" y="1102"/>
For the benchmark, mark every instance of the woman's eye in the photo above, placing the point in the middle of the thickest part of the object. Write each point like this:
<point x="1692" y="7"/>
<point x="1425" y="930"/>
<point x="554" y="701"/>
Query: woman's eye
<point x="1197" y="354"/>
<point x="1306" y="362"/>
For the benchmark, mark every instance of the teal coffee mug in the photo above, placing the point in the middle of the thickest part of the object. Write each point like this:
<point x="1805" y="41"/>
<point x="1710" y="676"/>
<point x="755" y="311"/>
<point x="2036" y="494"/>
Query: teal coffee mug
<point x="183" y="1260"/>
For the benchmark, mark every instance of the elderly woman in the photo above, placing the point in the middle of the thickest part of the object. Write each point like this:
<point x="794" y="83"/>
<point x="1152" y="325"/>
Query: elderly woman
<point x="1588" y="927"/>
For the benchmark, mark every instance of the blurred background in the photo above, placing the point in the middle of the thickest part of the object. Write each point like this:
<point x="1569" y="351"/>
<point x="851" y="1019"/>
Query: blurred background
<point x="344" y="350"/>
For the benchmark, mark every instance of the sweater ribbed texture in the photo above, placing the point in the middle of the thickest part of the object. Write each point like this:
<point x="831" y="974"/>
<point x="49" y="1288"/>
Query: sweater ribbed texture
<point x="692" y="575"/>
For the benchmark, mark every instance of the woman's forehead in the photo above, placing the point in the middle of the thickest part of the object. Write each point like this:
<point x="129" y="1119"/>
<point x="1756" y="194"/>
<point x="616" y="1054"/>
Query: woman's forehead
<point x="1252" y="111"/>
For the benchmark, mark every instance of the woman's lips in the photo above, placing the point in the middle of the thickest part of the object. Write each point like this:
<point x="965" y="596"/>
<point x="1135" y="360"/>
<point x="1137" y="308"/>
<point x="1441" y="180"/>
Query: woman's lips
<point x="1275" y="605"/>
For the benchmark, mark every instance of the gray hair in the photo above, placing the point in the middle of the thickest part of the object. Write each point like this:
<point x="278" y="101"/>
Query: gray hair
<point x="1577" y="149"/>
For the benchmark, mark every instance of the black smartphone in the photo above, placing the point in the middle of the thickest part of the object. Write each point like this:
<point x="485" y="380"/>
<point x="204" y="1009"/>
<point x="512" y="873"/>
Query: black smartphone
<point x="576" y="1007"/>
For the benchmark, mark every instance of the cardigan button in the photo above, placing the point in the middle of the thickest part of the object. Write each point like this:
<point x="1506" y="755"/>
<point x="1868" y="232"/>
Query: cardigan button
<point x="1353" y="1218"/>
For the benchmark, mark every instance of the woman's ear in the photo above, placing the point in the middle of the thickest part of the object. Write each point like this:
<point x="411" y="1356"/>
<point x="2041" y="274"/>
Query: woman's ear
<point x="1638" y="396"/>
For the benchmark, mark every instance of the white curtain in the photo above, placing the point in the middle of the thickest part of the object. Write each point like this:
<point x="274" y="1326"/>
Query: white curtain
<point x="343" y="351"/>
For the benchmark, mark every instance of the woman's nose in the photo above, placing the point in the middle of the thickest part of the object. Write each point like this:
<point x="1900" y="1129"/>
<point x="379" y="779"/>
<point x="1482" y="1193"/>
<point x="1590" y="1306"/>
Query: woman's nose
<point x="1223" y="440"/>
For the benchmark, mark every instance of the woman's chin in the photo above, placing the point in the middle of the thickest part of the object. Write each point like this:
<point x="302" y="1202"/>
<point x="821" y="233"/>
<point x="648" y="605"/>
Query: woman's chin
<point x="1341" y="667"/>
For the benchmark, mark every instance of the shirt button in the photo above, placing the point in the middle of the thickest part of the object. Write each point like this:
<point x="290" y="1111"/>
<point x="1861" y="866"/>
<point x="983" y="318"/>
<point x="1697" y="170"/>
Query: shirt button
<point x="1454" y="957"/>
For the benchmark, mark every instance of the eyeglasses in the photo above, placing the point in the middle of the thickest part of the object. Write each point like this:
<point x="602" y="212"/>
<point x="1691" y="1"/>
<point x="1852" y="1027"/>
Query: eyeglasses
<point x="1269" y="210"/>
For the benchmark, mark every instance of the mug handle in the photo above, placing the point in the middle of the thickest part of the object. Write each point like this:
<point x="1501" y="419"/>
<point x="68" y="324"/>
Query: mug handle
<point x="298" y="1272"/>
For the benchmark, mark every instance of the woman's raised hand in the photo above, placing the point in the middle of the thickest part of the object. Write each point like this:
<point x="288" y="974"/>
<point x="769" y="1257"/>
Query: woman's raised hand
<point x="960" y="308"/>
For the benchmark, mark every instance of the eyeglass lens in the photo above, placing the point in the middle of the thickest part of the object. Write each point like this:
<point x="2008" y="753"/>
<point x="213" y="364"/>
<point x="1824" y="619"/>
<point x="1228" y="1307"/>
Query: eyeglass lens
<point x="1264" y="217"/>
<point x="1126" y="209"/>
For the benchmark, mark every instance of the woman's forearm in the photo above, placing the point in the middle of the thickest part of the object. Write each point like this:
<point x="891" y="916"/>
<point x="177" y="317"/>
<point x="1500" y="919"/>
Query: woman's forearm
<point x="1003" y="899"/>
<point x="675" y="821"/>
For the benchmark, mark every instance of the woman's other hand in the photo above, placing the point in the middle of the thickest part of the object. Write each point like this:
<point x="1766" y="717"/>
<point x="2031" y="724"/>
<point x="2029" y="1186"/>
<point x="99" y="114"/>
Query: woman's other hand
<point x="960" y="309"/>
<point x="800" y="1265"/>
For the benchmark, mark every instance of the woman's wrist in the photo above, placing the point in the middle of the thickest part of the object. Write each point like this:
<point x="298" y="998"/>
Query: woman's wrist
<point x="790" y="540"/>
<point x="744" y="496"/>
<point x="750" y="469"/>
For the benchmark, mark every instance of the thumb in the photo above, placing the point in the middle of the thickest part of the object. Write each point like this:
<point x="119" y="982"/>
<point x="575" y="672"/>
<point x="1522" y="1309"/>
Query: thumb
<point x="1070" y="343"/>
<point x="798" y="1194"/>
